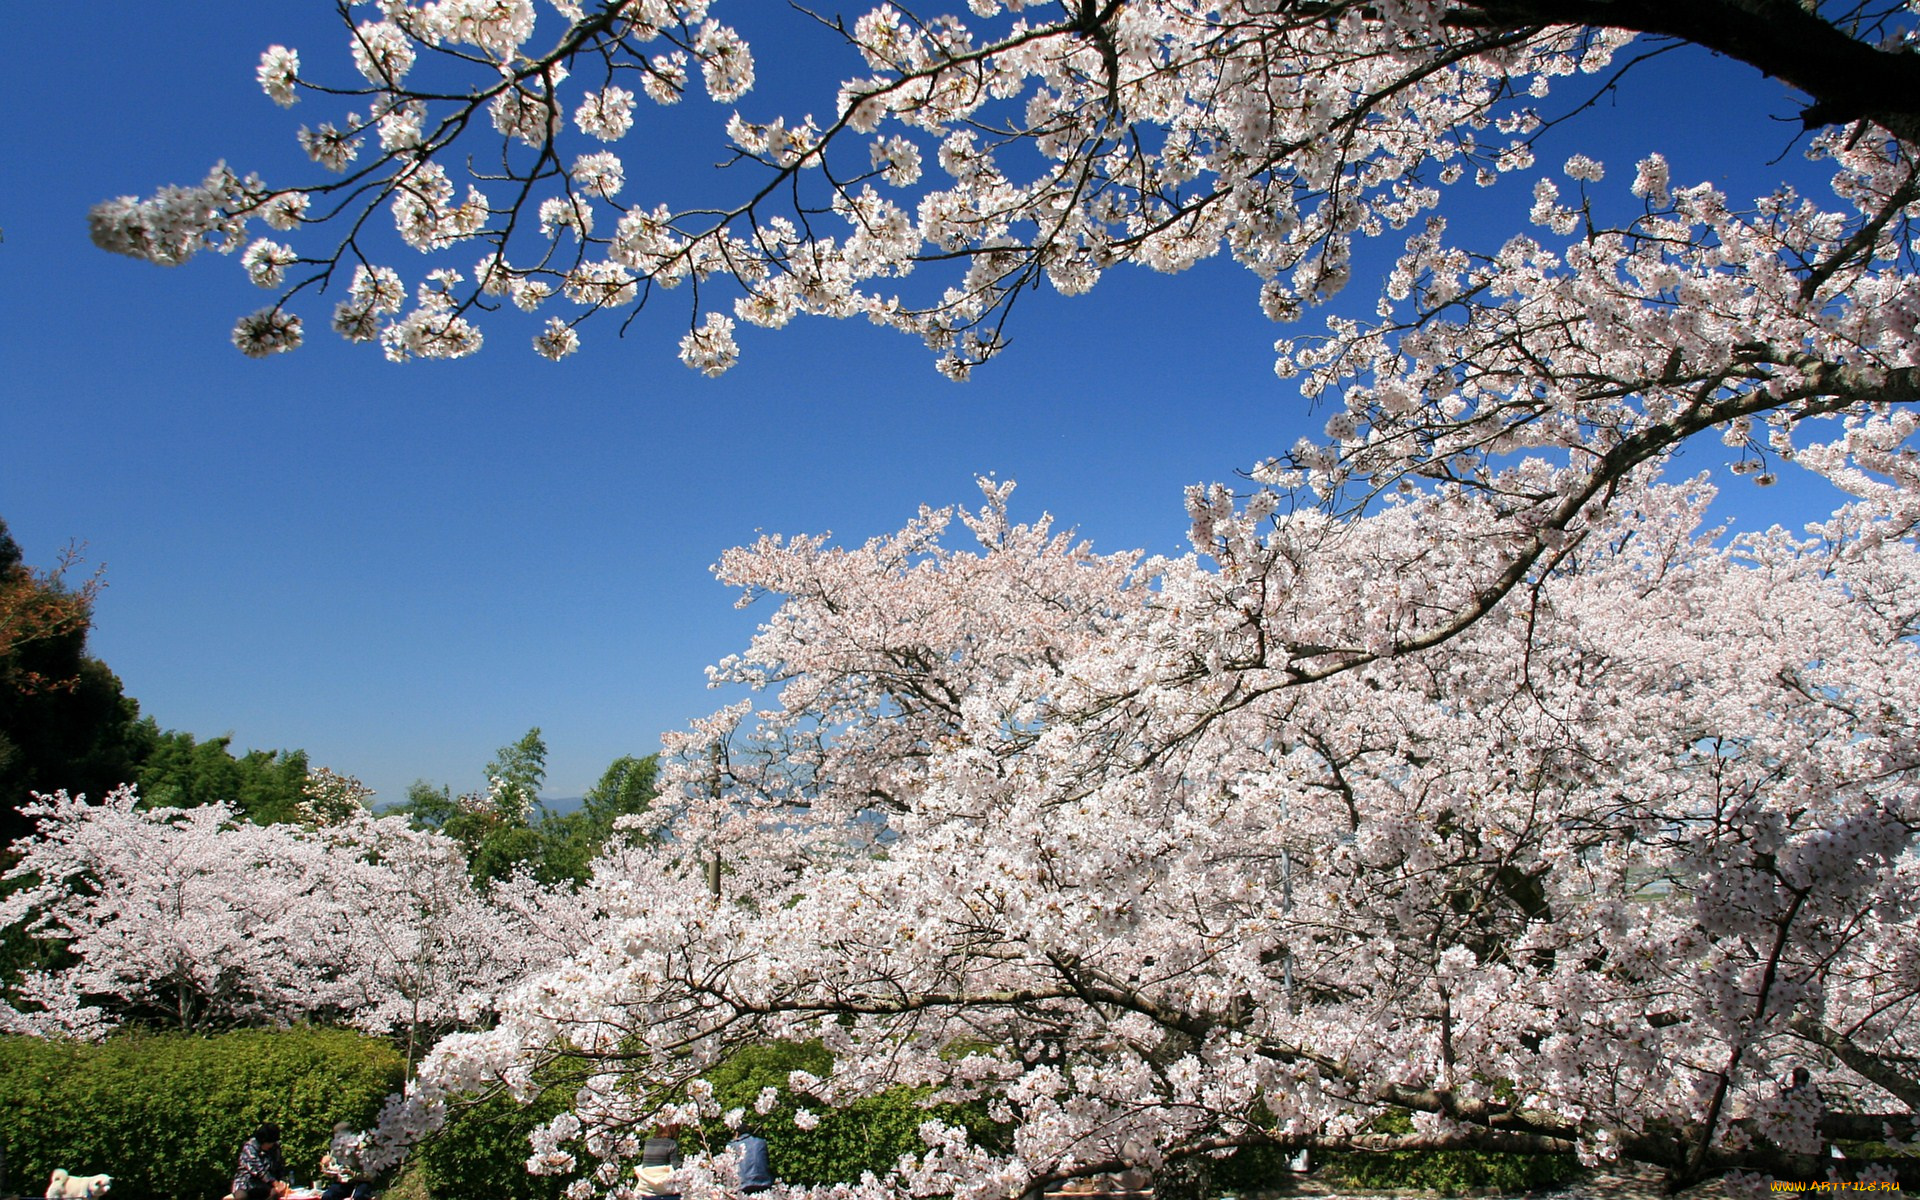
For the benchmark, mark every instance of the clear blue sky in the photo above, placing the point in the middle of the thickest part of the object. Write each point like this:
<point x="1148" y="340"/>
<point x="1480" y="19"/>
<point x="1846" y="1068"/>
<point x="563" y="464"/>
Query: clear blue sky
<point x="401" y="568"/>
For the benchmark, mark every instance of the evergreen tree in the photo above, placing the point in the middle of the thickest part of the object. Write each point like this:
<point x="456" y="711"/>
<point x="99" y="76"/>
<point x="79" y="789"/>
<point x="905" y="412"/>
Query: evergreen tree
<point x="265" y="786"/>
<point x="508" y="829"/>
<point x="571" y="841"/>
<point x="64" y="719"/>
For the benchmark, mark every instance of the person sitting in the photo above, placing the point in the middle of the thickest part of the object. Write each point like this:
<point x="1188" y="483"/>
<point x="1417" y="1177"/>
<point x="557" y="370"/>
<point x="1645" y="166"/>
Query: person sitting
<point x="659" y="1157"/>
<point x="750" y="1149"/>
<point x="262" y="1173"/>
<point x="340" y="1165"/>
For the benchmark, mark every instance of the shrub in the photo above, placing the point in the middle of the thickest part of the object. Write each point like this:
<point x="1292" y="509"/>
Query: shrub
<point x="483" y="1149"/>
<point x="870" y="1134"/>
<point x="165" y="1113"/>
<point x="1449" y="1172"/>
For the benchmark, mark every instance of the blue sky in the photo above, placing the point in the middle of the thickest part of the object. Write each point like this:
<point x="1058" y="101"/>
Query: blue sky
<point x="400" y="568"/>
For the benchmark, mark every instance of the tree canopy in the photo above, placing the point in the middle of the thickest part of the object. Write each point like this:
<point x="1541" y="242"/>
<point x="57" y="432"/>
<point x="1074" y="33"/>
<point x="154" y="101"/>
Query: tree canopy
<point x="177" y="771"/>
<point x="200" y="919"/>
<point x="64" y="721"/>
<point x="509" y="829"/>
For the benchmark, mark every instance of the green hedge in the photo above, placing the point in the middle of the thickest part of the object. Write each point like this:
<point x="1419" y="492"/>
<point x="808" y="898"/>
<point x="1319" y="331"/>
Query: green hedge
<point x="869" y="1134"/>
<point x="164" y="1114"/>
<point x="483" y="1149"/>
<point x="1259" y="1169"/>
<point x="1449" y="1172"/>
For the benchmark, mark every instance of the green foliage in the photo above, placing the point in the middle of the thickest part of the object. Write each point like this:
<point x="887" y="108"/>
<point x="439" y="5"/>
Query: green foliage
<point x="625" y="788"/>
<point x="514" y="832"/>
<point x="562" y="847"/>
<point x="520" y="768"/>
<point x="569" y="842"/>
<point x="868" y="1135"/>
<point x="497" y="832"/>
<point x="501" y="847"/>
<point x="1449" y="1172"/>
<point x="483" y="1151"/>
<point x="409" y="1184"/>
<point x="64" y="722"/>
<point x="164" y="1114"/>
<point x="264" y="786"/>
<point x="427" y="806"/>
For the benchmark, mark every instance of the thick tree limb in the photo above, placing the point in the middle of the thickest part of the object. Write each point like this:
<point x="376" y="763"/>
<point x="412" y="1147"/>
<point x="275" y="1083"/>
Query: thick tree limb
<point x="1846" y="78"/>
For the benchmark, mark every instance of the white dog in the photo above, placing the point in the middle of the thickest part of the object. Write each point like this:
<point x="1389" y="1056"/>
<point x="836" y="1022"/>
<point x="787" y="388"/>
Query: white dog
<point x="62" y="1186"/>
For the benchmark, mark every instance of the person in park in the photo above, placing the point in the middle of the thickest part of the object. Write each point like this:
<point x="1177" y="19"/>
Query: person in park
<point x="749" y="1151"/>
<point x="340" y="1167"/>
<point x="1467" y="784"/>
<point x="261" y="1173"/>
<point x="659" y="1159"/>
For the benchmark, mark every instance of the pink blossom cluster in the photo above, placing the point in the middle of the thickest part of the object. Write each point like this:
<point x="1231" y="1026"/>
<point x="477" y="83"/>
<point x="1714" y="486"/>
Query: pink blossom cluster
<point x="200" y="920"/>
<point x="977" y="155"/>
<point x="1158" y="857"/>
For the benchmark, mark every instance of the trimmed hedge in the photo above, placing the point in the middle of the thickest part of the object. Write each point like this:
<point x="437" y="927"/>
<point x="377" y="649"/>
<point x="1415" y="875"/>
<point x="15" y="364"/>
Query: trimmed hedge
<point x="1259" y="1169"/>
<point x="1450" y="1172"/>
<point x="165" y="1113"/>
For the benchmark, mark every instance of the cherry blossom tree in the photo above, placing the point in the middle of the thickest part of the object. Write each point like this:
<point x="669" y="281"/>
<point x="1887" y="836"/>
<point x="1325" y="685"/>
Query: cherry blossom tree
<point x="199" y="919"/>
<point x="971" y="159"/>
<point x="184" y="913"/>
<point x="415" y="948"/>
<point x="1463" y="771"/>
<point x="330" y="798"/>
<point x="1075" y="836"/>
